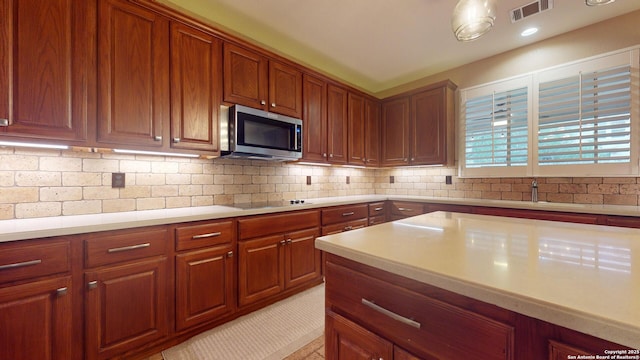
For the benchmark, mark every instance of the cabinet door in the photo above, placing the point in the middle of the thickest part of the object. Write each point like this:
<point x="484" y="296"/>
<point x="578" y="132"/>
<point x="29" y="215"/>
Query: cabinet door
<point x="337" y="124"/>
<point x="35" y="320"/>
<point x="245" y="77"/>
<point x="260" y="268"/>
<point x="346" y="340"/>
<point x="395" y="132"/>
<point x="314" y="119"/>
<point x="133" y="75"/>
<point x="45" y="62"/>
<point x="561" y="351"/>
<point x="372" y="132"/>
<point x="196" y="87"/>
<point x="204" y="286"/>
<point x="302" y="259"/>
<point x="356" y="130"/>
<point x="285" y="89"/>
<point x="428" y="128"/>
<point x="126" y="306"/>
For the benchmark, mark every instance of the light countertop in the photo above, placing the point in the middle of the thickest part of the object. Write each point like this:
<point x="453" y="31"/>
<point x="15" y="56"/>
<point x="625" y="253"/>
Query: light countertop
<point x="23" y="229"/>
<point x="583" y="277"/>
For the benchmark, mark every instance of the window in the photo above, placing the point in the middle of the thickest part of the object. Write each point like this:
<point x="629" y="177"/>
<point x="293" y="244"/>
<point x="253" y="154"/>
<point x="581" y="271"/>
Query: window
<point x="580" y="121"/>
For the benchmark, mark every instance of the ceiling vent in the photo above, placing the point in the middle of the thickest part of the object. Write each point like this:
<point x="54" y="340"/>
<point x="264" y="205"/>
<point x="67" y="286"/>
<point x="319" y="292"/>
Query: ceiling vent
<point x="530" y="9"/>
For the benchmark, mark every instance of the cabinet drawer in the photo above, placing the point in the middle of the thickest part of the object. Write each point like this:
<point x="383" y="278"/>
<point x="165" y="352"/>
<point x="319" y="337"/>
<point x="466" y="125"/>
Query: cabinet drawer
<point x="344" y="213"/>
<point x="119" y="246"/>
<point x="375" y="220"/>
<point x="423" y="325"/>
<point x="377" y="209"/>
<point x="204" y="234"/>
<point x="341" y="227"/>
<point x="24" y="260"/>
<point x="277" y="224"/>
<point x="406" y="209"/>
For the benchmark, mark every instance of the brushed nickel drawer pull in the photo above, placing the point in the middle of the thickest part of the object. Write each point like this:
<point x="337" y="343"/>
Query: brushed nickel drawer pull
<point x="20" y="264"/>
<point x="92" y="285"/>
<point x="4" y="122"/>
<point x="379" y="209"/>
<point x="405" y="209"/>
<point x="204" y="236"/>
<point x="390" y="314"/>
<point x="62" y="291"/>
<point x="127" y="248"/>
<point x="348" y="213"/>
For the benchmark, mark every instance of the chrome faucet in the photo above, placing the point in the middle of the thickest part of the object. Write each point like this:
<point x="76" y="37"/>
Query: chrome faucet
<point x="534" y="190"/>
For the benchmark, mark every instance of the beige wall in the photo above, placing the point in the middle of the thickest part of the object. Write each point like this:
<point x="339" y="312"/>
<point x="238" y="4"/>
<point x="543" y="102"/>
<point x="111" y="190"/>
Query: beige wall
<point x="610" y="35"/>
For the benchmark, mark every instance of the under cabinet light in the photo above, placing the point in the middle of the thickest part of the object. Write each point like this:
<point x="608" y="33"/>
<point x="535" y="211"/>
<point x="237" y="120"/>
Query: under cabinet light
<point x="153" y="153"/>
<point x="310" y="163"/>
<point x="34" y="145"/>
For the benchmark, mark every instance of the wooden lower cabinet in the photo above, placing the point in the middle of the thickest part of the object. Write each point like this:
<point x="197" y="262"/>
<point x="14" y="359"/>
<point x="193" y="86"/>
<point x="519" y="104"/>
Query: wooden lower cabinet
<point x="204" y="285"/>
<point x="268" y="265"/>
<point x="403" y="209"/>
<point x="346" y="340"/>
<point x="35" y="320"/>
<point x="126" y="307"/>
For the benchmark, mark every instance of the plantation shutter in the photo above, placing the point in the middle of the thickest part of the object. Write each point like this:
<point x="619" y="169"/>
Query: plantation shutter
<point x="496" y="129"/>
<point x="586" y="119"/>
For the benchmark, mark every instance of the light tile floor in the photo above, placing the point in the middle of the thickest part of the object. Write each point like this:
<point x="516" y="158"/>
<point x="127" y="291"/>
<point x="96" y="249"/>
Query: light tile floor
<point x="312" y="351"/>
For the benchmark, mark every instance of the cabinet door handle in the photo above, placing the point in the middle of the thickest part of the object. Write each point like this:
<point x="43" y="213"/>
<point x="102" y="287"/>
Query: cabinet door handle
<point x="262" y="102"/>
<point x="204" y="236"/>
<point x="127" y="248"/>
<point x="176" y="140"/>
<point x="157" y="138"/>
<point x="273" y="105"/>
<point x="379" y="209"/>
<point x="92" y="285"/>
<point x="283" y="242"/>
<point x="348" y="213"/>
<point x="289" y="241"/>
<point x="61" y="292"/>
<point x="347" y="228"/>
<point x="390" y="314"/>
<point x="20" y="264"/>
<point x="405" y="209"/>
<point x="4" y="122"/>
<point x="230" y="254"/>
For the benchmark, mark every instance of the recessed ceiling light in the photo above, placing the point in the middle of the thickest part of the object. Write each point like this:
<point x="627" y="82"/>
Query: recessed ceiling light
<point x="529" y="32"/>
<point x="598" y="2"/>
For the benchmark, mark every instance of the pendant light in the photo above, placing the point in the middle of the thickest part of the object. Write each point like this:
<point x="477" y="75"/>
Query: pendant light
<point x="598" y="2"/>
<point x="472" y="18"/>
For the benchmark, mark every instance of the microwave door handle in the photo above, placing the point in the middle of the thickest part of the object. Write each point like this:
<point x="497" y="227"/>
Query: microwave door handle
<point x="295" y="136"/>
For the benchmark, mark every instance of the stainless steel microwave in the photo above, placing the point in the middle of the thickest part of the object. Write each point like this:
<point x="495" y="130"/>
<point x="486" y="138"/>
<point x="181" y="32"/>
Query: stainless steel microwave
<point x="257" y="134"/>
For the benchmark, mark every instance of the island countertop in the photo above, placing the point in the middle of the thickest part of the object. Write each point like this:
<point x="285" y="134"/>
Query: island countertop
<point x="583" y="277"/>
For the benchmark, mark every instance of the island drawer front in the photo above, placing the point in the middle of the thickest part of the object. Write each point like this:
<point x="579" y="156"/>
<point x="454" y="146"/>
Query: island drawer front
<point x="340" y="214"/>
<point x="20" y="261"/>
<point x="203" y="235"/>
<point x="264" y="225"/>
<point x="406" y="209"/>
<point x="423" y="325"/>
<point x="125" y="245"/>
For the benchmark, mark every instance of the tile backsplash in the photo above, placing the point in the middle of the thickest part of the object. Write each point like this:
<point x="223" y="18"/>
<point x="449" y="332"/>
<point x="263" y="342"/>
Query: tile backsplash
<point x="41" y="183"/>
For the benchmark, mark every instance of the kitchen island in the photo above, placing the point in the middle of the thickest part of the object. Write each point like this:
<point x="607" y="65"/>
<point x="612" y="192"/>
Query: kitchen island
<point x="501" y="288"/>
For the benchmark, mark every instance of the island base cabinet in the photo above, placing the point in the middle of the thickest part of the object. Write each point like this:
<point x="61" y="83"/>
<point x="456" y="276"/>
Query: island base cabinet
<point x="35" y="320"/>
<point x="346" y="340"/>
<point x="125" y="307"/>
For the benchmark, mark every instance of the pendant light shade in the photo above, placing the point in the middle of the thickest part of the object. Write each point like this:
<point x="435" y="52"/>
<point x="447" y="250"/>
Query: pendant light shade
<point x="472" y="18"/>
<point x="598" y="2"/>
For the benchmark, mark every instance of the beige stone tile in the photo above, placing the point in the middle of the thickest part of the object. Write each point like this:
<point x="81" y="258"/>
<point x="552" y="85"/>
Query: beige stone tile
<point x="13" y="195"/>
<point x="190" y="190"/>
<point x="81" y="179"/>
<point x="178" y="202"/>
<point x="168" y="167"/>
<point x="572" y="188"/>
<point x="60" y="193"/>
<point x="135" y="166"/>
<point x="100" y="192"/>
<point x="149" y="179"/>
<point x="190" y="168"/>
<point x="19" y="162"/>
<point x="202" y="200"/>
<point x="603" y="189"/>
<point x="150" y="203"/>
<point x="202" y="179"/>
<point x="612" y="199"/>
<point x="118" y="205"/>
<point x="38" y="178"/>
<point x="7" y="211"/>
<point x="632" y="189"/>
<point x="48" y="163"/>
<point x="223" y="179"/>
<point x="82" y="207"/>
<point x="178" y="179"/>
<point x="38" y="209"/>
<point x="135" y="191"/>
<point x="588" y="198"/>
<point x="101" y="165"/>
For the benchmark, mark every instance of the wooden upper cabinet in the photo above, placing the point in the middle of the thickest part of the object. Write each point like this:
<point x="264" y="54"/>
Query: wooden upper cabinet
<point x="196" y="87"/>
<point x="285" y="90"/>
<point x="372" y="132"/>
<point x="395" y="132"/>
<point x="45" y="68"/>
<point x="432" y="124"/>
<point x="245" y="77"/>
<point x="251" y="79"/>
<point x="133" y="75"/>
<point x="314" y="119"/>
<point x="337" y="117"/>
<point x="356" y="130"/>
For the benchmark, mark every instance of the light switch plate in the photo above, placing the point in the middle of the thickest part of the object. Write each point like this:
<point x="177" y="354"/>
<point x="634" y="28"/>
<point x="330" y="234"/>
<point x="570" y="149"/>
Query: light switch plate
<point x="117" y="180"/>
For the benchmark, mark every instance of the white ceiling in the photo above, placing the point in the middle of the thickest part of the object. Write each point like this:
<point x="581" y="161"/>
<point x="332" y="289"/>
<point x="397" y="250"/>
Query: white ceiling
<point x="379" y="44"/>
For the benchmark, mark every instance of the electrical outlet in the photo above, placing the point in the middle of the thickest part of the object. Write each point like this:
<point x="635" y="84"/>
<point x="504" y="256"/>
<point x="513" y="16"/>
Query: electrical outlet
<point x="308" y="180"/>
<point x="447" y="179"/>
<point x="392" y="179"/>
<point x="348" y="180"/>
<point x="117" y="180"/>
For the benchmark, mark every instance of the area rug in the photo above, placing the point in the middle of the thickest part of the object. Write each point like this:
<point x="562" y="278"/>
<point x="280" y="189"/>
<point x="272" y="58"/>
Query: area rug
<point x="270" y="333"/>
